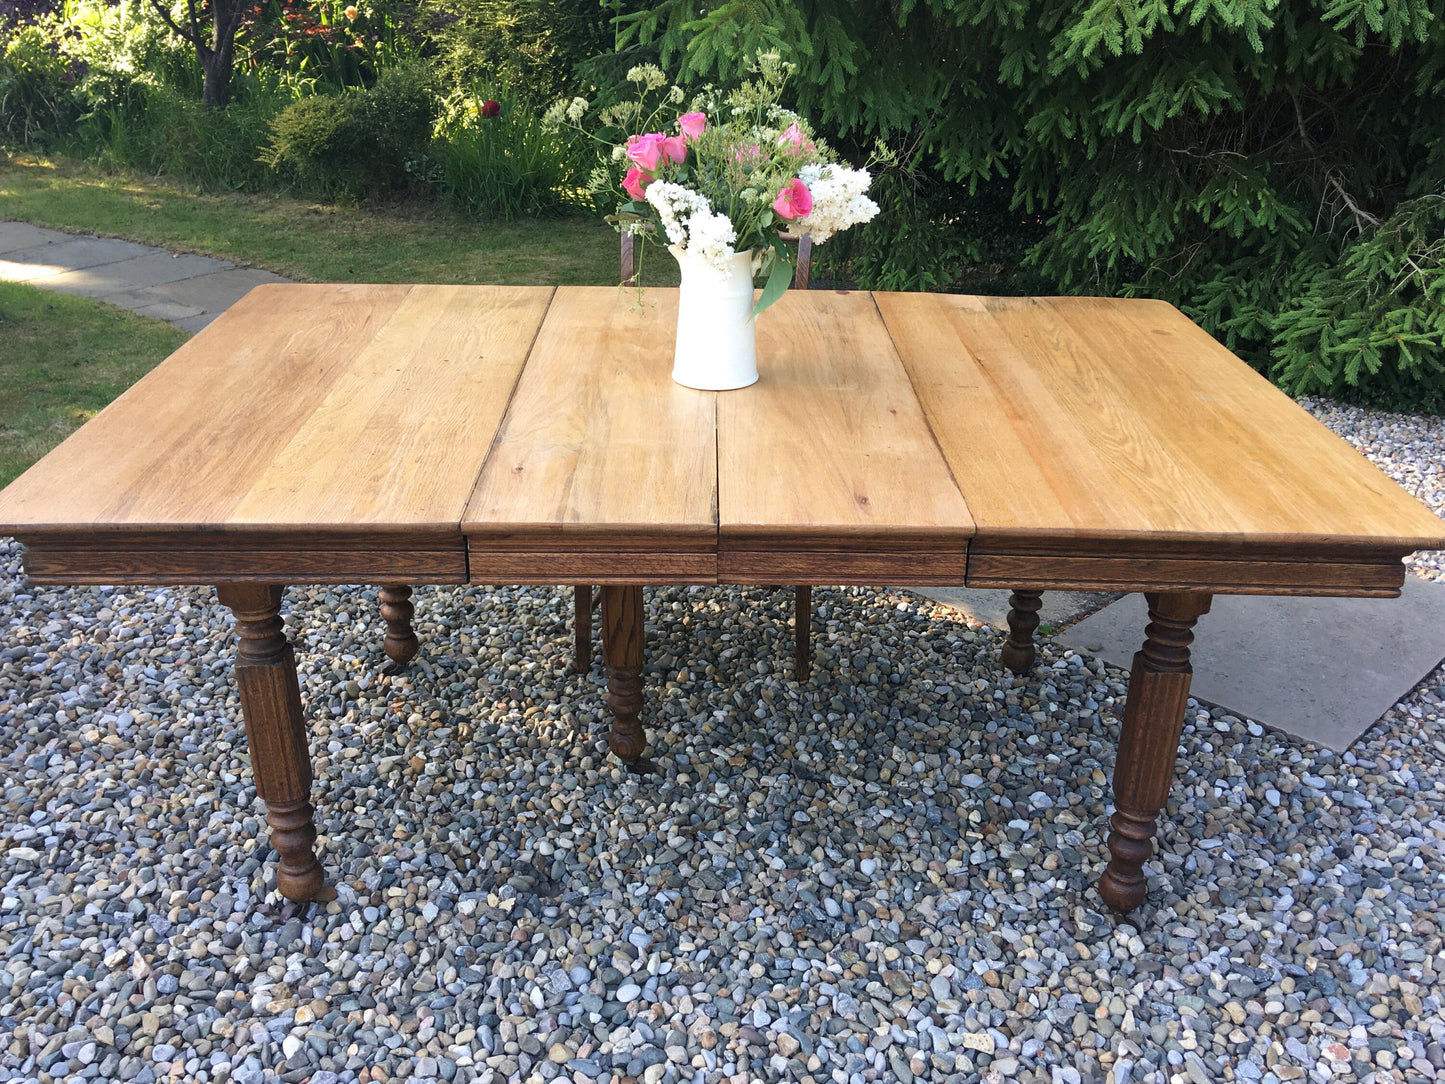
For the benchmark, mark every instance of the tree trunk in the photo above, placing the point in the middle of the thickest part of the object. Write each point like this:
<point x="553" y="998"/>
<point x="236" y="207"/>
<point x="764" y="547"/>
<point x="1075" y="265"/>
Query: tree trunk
<point x="217" y="64"/>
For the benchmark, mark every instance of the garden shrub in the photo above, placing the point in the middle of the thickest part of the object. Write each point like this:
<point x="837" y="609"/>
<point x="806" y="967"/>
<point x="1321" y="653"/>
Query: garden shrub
<point x="19" y="12"/>
<point x="165" y="132"/>
<point x="933" y="235"/>
<point x="357" y="142"/>
<point x="1253" y="162"/>
<point x="331" y="43"/>
<point x="532" y="46"/>
<point x="37" y="104"/>
<point x="124" y="43"/>
<point x="502" y="162"/>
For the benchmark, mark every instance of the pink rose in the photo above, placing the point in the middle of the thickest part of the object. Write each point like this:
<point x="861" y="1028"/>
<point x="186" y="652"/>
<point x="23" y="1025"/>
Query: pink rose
<point x="794" y="201"/>
<point x="674" y="148"/>
<point x="635" y="183"/>
<point x="793" y="141"/>
<point x="743" y="154"/>
<point x="646" y="150"/>
<point x="692" y="124"/>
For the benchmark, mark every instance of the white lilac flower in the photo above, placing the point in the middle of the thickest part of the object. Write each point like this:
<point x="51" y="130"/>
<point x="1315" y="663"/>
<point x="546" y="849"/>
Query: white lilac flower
<point x="838" y="200"/>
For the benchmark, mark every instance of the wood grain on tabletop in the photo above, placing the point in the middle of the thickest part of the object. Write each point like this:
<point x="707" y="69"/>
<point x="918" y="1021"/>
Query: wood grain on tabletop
<point x="598" y="442"/>
<point x="302" y="407"/>
<point x="1079" y="418"/>
<point x="831" y="445"/>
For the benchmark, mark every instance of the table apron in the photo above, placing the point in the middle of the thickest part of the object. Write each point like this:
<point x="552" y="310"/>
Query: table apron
<point x="595" y="567"/>
<point x="850" y="568"/>
<point x="1378" y="576"/>
<point x="117" y="560"/>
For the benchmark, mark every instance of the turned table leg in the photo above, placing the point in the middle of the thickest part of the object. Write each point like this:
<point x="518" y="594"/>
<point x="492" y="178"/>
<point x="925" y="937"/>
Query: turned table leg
<point x="1149" y="742"/>
<point x="1023" y="620"/>
<point x="397" y="611"/>
<point x="276" y="733"/>
<point x="582" y="627"/>
<point x="622" y="658"/>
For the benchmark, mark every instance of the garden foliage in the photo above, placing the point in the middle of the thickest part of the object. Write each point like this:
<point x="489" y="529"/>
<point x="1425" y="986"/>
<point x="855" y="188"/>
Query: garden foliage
<point x="356" y="142"/>
<point x="495" y="158"/>
<point x="521" y="44"/>
<point x="36" y="103"/>
<point x="1273" y="168"/>
<point x="1276" y="169"/>
<point x="328" y="98"/>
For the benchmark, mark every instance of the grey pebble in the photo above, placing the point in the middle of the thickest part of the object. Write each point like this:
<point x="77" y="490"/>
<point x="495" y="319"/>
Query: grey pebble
<point x="506" y="887"/>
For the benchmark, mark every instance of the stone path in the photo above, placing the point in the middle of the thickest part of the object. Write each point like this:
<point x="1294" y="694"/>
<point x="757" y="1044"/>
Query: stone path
<point x="188" y="291"/>
<point x="1323" y="669"/>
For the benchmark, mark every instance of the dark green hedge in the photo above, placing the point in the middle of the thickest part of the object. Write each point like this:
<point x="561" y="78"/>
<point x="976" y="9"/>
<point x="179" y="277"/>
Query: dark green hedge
<point x="1274" y="168"/>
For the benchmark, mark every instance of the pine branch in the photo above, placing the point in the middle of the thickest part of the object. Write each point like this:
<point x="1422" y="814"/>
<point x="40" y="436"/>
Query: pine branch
<point x="1332" y="173"/>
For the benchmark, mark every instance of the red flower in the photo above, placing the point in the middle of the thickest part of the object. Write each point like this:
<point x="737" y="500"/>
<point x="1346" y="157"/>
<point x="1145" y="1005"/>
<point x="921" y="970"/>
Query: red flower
<point x="491" y="108"/>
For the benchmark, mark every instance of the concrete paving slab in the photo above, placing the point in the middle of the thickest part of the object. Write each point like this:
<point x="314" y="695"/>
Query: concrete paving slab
<point x="189" y="291"/>
<point x="164" y="310"/>
<point x="1060" y="608"/>
<point x="214" y="292"/>
<point x="195" y="323"/>
<point x="27" y="272"/>
<point x="15" y="236"/>
<point x="150" y="269"/>
<point x="72" y="254"/>
<point x="1322" y="669"/>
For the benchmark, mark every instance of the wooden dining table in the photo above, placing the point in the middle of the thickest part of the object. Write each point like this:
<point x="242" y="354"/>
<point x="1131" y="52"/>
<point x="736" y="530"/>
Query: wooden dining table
<point x="396" y="435"/>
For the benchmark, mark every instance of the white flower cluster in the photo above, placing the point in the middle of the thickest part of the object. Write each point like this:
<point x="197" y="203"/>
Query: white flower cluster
<point x="838" y="200"/>
<point x="689" y="222"/>
<point x="673" y="204"/>
<point x="647" y="75"/>
<point x="711" y="236"/>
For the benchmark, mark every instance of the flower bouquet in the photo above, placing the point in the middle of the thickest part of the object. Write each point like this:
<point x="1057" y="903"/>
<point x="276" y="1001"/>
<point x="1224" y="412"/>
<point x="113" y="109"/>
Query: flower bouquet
<point x="724" y="185"/>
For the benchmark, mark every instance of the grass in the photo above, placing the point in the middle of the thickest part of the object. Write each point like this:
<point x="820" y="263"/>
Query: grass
<point x="61" y="359"/>
<point x="309" y="241"/>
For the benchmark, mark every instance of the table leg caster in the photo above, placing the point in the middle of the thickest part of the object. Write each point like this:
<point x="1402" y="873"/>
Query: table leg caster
<point x="276" y="734"/>
<point x="1149" y="742"/>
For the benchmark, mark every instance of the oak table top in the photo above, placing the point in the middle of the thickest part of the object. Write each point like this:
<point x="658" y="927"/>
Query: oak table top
<point x="486" y="434"/>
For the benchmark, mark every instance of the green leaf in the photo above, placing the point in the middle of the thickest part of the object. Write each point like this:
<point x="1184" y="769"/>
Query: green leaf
<point x="779" y="279"/>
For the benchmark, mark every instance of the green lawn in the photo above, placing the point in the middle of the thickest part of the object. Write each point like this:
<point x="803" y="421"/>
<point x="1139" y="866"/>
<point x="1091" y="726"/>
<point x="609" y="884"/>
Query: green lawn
<point x="309" y="241"/>
<point x="62" y="358"/>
